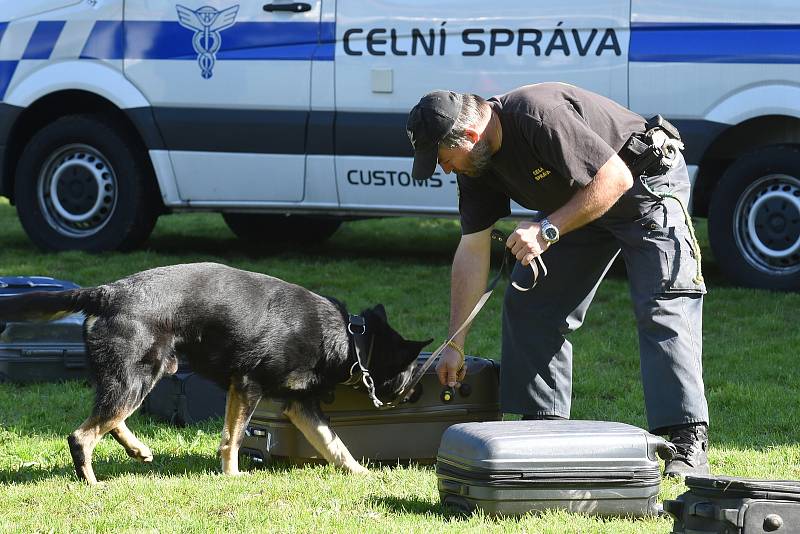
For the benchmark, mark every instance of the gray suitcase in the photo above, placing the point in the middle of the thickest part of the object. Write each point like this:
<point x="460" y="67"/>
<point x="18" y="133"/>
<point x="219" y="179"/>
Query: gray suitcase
<point x="185" y="398"/>
<point x="410" y="431"/>
<point x="727" y="505"/>
<point x="514" y="467"/>
<point x="41" y="352"/>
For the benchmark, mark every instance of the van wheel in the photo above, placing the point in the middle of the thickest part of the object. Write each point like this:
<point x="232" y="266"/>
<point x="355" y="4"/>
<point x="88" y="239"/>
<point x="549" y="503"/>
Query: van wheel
<point x="754" y="219"/>
<point x="82" y="185"/>
<point x="272" y="229"/>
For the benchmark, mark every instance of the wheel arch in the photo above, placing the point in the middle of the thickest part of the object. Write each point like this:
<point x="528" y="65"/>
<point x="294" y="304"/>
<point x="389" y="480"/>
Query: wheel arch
<point x="757" y="116"/>
<point x="77" y="88"/>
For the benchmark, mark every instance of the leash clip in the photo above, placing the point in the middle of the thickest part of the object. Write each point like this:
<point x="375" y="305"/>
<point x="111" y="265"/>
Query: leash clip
<point x="359" y="323"/>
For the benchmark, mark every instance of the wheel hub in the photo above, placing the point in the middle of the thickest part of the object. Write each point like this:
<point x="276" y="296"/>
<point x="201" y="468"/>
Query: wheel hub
<point x="767" y="227"/>
<point x="776" y="221"/>
<point x="77" y="191"/>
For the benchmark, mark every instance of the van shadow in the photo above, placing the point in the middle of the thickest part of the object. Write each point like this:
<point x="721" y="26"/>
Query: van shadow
<point x="435" y="252"/>
<point x="425" y="240"/>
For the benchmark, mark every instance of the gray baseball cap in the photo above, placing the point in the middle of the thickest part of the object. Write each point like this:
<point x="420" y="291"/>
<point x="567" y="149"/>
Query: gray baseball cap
<point x="428" y="123"/>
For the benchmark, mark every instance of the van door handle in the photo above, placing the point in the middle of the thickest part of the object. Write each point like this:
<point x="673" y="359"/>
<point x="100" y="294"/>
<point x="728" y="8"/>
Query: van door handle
<point x="294" y="7"/>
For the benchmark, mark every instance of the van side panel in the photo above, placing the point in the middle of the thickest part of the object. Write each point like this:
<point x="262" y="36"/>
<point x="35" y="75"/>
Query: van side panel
<point x="388" y="56"/>
<point x="710" y="67"/>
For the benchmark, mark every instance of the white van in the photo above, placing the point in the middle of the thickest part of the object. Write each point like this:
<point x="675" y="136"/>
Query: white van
<point x="113" y="112"/>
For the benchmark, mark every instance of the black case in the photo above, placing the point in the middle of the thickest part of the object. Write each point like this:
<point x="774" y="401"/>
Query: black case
<point x="728" y="505"/>
<point x="410" y="431"/>
<point x="41" y="352"/>
<point x="185" y="398"/>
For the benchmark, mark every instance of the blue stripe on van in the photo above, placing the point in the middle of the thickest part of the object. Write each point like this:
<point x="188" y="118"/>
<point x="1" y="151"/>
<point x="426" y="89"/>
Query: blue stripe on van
<point x="7" y="69"/>
<point x="715" y="43"/>
<point x="327" y="42"/>
<point x="43" y="40"/>
<point x="243" y="41"/>
<point x="106" y="41"/>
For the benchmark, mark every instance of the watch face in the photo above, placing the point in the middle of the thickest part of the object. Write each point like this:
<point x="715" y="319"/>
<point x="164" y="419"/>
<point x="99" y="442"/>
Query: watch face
<point x="550" y="233"/>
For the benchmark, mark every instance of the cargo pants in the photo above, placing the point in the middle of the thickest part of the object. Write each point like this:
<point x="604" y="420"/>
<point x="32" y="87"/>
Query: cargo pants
<point x="536" y="365"/>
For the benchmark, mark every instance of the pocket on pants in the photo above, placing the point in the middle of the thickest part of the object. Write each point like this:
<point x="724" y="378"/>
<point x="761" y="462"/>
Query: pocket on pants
<point x="672" y="256"/>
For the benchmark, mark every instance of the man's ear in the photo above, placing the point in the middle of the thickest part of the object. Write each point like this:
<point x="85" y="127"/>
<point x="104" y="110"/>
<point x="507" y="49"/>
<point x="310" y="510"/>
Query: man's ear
<point x="473" y="135"/>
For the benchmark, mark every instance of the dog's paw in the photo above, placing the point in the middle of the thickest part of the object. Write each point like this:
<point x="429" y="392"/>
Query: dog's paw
<point x="232" y="473"/>
<point x="358" y="470"/>
<point x="143" y="454"/>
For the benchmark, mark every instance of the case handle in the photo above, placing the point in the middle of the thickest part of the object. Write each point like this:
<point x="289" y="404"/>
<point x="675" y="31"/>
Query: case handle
<point x="658" y="445"/>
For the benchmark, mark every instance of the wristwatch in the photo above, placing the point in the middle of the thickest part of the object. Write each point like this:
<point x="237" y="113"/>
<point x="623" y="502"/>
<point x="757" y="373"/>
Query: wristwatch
<point x="549" y="231"/>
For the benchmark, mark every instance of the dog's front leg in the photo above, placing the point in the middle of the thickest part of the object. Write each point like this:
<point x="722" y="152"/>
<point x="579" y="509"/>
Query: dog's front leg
<point x="307" y="417"/>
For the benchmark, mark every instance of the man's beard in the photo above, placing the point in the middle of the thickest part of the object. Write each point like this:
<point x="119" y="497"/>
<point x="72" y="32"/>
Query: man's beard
<point x="479" y="158"/>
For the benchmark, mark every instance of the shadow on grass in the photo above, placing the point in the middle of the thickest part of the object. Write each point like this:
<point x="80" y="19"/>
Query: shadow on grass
<point x="108" y="469"/>
<point x="413" y="505"/>
<point x="350" y="249"/>
<point x="422" y="240"/>
<point x="355" y="241"/>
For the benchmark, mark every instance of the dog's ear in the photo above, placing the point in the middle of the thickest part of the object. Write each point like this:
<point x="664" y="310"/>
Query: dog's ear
<point x="380" y="311"/>
<point x="414" y="348"/>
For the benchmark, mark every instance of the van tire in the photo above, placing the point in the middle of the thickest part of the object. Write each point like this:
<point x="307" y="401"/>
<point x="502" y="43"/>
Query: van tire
<point x="276" y="229"/>
<point x="754" y="219"/>
<point x="82" y="184"/>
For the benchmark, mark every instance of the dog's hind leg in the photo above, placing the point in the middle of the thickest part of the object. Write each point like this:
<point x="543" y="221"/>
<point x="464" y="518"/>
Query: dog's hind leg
<point x="128" y="356"/>
<point x="308" y="418"/>
<point x="83" y="441"/>
<point x="105" y="420"/>
<point x="241" y="402"/>
<point x="135" y="448"/>
<point x="161" y="360"/>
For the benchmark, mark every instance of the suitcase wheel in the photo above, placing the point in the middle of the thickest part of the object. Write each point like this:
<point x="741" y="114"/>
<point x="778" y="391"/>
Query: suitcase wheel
<point x="254" y="457"/>
<point x="177" y="420"/>
<point x="456" y="504"/>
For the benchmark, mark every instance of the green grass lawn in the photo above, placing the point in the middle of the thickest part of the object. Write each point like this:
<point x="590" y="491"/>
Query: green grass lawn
<point x="751" y="371"/>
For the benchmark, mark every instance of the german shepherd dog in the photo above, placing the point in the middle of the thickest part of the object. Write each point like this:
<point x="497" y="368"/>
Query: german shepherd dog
<point x="252" y="334"/>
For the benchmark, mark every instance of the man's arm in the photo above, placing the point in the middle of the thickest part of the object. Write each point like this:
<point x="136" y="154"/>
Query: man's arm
<point x="586" y="205"/>
<point x="468" y="283"/>
<point x="589" y="203"/>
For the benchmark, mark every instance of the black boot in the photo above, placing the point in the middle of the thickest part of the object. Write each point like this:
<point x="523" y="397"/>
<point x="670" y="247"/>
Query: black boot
<point x="534" y="417"/>
<point x="692" y="456"/>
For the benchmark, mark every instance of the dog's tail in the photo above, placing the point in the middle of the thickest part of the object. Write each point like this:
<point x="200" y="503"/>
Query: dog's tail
<point x="51" y="305"/>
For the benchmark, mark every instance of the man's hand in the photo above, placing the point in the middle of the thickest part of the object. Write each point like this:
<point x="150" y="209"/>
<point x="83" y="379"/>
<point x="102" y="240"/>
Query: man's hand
<point x="526" y="242"/>
<point x="449" y="368"/>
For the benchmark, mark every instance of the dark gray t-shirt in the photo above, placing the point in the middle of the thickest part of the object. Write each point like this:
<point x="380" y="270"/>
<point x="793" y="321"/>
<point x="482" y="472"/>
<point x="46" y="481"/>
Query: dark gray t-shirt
<point x="555" y="139"/>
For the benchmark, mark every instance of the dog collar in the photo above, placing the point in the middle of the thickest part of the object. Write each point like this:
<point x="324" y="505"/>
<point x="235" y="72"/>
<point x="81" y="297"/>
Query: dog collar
<point x="357" y="328"/>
